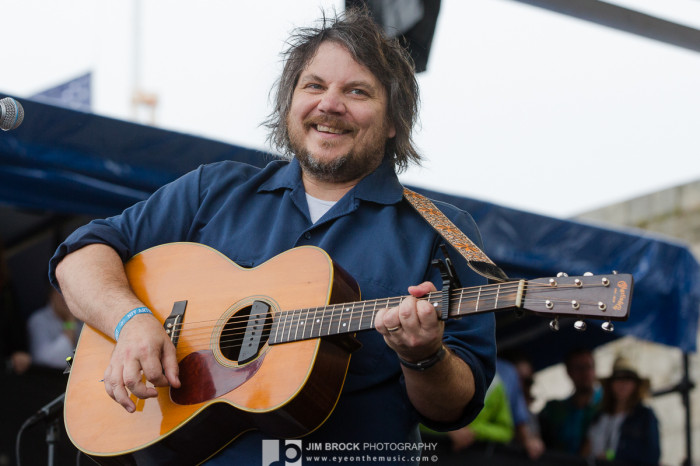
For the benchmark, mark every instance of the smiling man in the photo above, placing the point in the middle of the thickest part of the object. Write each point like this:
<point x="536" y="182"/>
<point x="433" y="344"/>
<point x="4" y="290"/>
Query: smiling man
<point x="345" y="107"/>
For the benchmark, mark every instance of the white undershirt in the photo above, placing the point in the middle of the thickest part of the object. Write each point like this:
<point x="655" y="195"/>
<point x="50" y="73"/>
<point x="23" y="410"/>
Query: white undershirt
<point x="605" y="433"/>
<point x="318" y="207"/>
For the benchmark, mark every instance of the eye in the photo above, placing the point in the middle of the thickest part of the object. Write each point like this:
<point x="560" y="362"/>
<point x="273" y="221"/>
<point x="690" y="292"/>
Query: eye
<point x="359" y="92"/>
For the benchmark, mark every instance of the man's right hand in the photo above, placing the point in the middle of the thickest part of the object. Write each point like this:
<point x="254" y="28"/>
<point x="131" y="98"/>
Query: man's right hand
<point x="95" y="287"/>
<point x="143" y="357"/>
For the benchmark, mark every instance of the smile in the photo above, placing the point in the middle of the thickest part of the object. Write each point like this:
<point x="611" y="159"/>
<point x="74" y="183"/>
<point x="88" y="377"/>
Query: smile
<point x="330" y="129"/>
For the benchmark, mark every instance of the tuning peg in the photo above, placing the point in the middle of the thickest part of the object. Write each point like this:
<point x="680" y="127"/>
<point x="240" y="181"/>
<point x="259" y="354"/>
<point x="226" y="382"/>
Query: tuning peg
<point x="588" y="274"/>
<point x="607" y="326"/>
<point x="554" y="324"/>
<point x="562" y="274"/>
<point x="580" y="325"/>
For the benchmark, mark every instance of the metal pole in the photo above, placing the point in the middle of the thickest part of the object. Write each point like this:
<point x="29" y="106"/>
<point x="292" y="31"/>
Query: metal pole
<point x="624" y="19"/>
<point x="685" y="393"/>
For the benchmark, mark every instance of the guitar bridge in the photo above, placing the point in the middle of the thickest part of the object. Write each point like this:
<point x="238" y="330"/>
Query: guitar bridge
<point x="171" y="323"/>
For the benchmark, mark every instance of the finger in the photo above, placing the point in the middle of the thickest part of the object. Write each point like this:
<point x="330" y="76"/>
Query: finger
<point x="379" y="320"/>
<point x="170" y="366"/>
<point x="407" y="314"/>
<point x="134" y="381"/>
<point x="121" y="396"/>
<point x="386" y="321"/>
<point x="422" y="289"/>
<point x="106" y="379"/>
<point x="114" y="386"/>
<point x="427" y="315"/>
<point x="153" y="371"/>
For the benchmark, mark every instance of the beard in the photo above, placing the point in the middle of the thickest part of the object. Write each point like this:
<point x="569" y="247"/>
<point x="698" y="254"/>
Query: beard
<point x="355" y="164"/>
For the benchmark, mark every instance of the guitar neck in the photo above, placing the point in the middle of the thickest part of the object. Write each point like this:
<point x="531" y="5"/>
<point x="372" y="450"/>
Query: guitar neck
<point x="335" y="319"/>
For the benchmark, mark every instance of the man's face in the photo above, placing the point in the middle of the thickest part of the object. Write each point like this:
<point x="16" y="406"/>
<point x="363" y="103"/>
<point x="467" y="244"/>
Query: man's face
<point x="581" y="370"/>
<point x="338" y="119"/>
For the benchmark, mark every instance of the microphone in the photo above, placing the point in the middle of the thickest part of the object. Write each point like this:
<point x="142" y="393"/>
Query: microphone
<point x="49" y="411"/>
<point x="11" y="114"/>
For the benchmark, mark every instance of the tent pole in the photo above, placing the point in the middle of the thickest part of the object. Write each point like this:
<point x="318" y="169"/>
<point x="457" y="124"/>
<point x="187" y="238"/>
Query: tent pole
<point x="687" y="385"/>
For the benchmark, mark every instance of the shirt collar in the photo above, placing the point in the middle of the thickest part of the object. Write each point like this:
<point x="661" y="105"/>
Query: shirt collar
<point x="381" y="186"/>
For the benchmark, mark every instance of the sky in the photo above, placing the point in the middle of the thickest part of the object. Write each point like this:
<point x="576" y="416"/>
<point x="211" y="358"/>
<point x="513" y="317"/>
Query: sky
<point x="520" y="106"/>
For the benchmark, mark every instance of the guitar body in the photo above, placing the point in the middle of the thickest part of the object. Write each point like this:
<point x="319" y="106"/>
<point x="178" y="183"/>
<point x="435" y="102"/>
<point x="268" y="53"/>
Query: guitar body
<point x="287" y="390"/>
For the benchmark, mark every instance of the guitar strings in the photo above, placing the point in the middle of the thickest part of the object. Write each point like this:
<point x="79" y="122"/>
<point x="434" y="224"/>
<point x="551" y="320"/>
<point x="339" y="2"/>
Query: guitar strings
<point x="328" y="313"/>
<point x="464" y="296"/>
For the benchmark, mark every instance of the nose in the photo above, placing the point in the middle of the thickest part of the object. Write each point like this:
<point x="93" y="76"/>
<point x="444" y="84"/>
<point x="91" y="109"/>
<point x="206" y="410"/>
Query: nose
<point x="332" y="102"/>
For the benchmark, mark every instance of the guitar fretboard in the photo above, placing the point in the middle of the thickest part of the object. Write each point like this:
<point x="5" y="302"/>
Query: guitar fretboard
<point x="334" y="319"/>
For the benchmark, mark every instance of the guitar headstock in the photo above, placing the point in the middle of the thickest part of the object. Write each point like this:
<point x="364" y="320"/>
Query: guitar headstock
<point x="606" y="297"/>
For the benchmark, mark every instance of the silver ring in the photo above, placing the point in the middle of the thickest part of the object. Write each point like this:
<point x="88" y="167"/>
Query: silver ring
<point x="393" y="329"/>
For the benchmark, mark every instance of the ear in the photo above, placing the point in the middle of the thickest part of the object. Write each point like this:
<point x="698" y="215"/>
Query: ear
<point x="391" y="130"/>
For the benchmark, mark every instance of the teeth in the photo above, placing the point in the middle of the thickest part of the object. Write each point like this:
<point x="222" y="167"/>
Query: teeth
<point x="328" y="129"/>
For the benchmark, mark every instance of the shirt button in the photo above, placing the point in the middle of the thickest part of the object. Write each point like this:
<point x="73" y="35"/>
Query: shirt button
<point x="307" y="235"/>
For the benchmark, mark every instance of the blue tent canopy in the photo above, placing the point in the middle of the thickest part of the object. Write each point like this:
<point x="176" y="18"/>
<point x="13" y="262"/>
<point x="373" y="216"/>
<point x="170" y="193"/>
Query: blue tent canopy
<point x="69" y="162"/>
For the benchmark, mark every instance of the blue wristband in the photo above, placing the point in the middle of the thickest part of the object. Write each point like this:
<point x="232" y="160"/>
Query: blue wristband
<point x="127" y="318"/>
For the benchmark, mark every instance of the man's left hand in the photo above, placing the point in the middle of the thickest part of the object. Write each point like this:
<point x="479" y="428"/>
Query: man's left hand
<point x="412" y="329"/>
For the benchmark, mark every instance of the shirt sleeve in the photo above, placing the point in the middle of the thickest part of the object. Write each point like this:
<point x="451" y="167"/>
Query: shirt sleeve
<point x="166" y="216"/>
<point x="472" y="338"/>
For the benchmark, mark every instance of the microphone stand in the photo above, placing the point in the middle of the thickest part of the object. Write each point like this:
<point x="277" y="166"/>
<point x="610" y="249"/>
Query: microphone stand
<point x="51" y="414"/>
<point x="53" y="434"/>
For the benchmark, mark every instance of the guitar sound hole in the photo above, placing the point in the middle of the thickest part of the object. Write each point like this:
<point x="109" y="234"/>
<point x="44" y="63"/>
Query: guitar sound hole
<point x="234" y="335"/>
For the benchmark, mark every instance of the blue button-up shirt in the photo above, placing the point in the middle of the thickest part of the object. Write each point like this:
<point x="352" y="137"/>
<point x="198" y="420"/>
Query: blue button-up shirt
<point x="251" y="215"/>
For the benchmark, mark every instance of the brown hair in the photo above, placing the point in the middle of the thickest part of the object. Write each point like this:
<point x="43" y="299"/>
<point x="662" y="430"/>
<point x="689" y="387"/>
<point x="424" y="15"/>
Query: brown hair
<point x="388" y="61"/>
<point x="623" y="370"/>
<point x="607" y="403"/>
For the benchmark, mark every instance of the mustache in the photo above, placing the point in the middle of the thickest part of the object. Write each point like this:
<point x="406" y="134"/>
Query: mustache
<point x="328" y="120"/>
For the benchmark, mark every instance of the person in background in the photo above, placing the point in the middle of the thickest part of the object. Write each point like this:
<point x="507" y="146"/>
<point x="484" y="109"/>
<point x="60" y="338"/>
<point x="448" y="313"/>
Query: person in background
<point x="53" y="332"/>
<point x="526" y="435"/>
<point x="13" y="337"/>
<point x="493" y="424"/>
<point x="625" y="431"/>
<point x="526" y="375"/>
<point x="564" y="423"/>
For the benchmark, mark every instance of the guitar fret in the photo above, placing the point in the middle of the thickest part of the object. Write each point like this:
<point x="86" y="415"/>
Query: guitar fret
<point x="362" y="316"/>
<point x="330" y="320"/>
<point x="296" y="326"/>
<point x="304" y="319"/>
<point x="274" y="328"/>
<point x="283" y="325"/>
<point x="498" y="290"/>
<point x="346" y="313"/>
<point x="317" y="320"/>
<point x="288" y="326"/>
<point x="478" y="296"/>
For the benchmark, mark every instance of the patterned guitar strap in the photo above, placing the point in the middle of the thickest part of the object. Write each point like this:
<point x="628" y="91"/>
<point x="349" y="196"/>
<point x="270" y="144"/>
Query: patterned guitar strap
<point x="476" y="259"/>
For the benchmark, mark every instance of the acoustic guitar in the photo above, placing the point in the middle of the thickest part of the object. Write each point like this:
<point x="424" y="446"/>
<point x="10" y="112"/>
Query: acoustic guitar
<point x="265" y="348"/>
